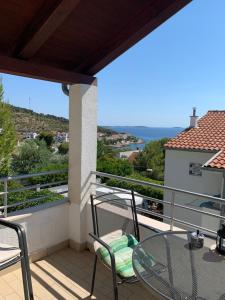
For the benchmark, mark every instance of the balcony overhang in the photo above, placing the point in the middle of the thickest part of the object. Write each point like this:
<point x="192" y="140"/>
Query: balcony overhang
<point x="69" y="41"/>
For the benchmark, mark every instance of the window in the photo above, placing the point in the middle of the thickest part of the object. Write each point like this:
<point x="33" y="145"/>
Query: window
<point x="195" y="169"/>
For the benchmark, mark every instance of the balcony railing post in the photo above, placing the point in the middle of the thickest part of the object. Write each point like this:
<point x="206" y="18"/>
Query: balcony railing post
<point x="5" y="197"/>
<point x="172" y="211"/>
<point x="38" y="188"/>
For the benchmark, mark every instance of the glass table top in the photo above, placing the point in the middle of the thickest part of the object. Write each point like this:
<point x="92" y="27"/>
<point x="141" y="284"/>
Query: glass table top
<point x="168" y="264"/>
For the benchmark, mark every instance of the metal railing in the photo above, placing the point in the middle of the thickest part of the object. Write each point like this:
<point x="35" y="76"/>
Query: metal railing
<point x="38" y="187"/>
<point x="170" y="201"/>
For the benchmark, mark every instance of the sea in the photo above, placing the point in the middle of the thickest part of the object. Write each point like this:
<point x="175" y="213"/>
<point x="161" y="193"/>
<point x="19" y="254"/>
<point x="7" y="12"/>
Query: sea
<point x="147" y="133"/>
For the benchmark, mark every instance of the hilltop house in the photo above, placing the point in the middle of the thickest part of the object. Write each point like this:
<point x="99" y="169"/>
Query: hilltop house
<point x="195" y="161"/>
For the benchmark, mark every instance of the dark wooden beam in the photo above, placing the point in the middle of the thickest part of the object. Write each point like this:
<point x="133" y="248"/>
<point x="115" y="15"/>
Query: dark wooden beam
<point x="20" y="67"/>
<point x="35" y="36"/>
<point x="143" y="23"/>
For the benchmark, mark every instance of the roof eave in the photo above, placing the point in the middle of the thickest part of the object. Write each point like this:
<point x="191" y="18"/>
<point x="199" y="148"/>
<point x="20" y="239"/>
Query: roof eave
<point x="192" y="150"/>
<point x="214" y="169"/>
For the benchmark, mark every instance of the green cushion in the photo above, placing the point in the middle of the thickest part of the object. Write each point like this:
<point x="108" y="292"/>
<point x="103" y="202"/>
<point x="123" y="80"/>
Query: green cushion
<point x="122" y="249"/>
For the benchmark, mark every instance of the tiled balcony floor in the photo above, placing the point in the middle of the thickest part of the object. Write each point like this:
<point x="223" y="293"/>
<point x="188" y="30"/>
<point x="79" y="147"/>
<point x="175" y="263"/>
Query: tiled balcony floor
<point x="67" y="275"/>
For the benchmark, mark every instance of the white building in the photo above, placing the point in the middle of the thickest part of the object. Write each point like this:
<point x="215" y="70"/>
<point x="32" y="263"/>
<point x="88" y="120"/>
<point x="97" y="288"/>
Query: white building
<point x="127" y="154"/>
<point x="195" y="161"/>
<point x="30" y="135"/>
<point x="62" y="137"/>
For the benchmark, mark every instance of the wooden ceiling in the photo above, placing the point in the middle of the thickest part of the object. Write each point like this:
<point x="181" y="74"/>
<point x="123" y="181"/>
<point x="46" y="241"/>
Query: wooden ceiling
<point x="69" y="41"/>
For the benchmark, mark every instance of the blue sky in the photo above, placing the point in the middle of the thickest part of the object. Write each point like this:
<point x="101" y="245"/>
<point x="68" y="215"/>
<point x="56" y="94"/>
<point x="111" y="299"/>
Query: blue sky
<point x="158" y="81"/>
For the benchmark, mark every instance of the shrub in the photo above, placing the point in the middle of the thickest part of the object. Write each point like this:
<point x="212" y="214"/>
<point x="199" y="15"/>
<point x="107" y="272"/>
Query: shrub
<point x="26" y="195"/>
<point x="141" y="189"/>
<point x="138" y="176"/>
<point x="58" y="159"/>
<point x="63" y="148"/>
<point x="51" y="177"/>
<point x="17" y="197"/>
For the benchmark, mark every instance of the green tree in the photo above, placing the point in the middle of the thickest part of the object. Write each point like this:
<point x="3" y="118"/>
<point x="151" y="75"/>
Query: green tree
<point x="114" y="166"/>
<point x="7" y="135"/>
<point x="30" y="155"/>
<point x="103" y="150"/>
<point x="152" y="157"/>
<point x="63" y="148"/>
<point x="48" y="137"/>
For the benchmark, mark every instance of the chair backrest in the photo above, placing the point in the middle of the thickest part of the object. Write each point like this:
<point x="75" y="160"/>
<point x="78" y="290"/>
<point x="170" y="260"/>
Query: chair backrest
<point x="114" y="211"/>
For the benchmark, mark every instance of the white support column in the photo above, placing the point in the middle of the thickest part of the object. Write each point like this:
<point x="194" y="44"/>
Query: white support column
<point x="82" y="157"/>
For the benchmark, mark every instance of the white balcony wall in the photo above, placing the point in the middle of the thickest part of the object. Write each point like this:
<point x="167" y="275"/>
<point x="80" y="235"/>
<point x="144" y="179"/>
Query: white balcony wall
<point x="46" y="228"/>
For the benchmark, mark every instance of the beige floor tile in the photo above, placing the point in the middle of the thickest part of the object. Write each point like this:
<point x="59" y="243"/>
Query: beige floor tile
<point x="17" y="286"/>
<point x="13" y="296"/>
<point x="5" y="288"/>
<point x="65" y="294"/>
<point x="45" y="293"/>
<point x="67" y="275"/>
<point x="9" y="277"/>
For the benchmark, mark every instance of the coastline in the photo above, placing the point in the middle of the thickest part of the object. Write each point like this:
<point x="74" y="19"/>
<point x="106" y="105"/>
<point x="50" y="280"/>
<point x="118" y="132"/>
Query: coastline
<point x="121" y="136"/>
<point x="144" y="135"/>
<point x="127" y="144"/>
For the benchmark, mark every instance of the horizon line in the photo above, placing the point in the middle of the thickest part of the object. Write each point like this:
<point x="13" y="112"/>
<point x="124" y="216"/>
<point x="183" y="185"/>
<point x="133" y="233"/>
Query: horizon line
<point x="147" y="126"/>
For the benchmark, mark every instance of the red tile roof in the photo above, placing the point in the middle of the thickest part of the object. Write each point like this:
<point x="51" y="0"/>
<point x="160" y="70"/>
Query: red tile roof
<point x="133" y="156"/>
<point x="208" y="136"/>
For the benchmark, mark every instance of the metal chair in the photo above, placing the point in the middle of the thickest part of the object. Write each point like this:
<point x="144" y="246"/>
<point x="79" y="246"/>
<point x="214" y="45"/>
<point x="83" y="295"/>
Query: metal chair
<point x="10" y="255"/>
<point x="115" y="223"/>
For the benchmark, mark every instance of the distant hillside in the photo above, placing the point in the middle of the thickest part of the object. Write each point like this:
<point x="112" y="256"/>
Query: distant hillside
<point x="28" y="120"/>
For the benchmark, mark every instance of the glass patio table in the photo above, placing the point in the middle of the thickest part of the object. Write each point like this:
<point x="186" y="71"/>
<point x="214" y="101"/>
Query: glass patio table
<point x="169" y="265"/>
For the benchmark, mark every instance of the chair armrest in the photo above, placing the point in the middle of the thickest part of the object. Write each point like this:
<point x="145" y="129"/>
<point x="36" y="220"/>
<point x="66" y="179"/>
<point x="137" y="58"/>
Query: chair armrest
<point x="19" y="231"/>
<point x="112" y="256"/>
<point x="14" y="226"/>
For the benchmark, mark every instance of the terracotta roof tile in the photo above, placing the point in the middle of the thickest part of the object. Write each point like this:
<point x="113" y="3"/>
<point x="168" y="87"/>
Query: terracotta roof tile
<point x="133" y="156"/>
<point x="208" y="136"/>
